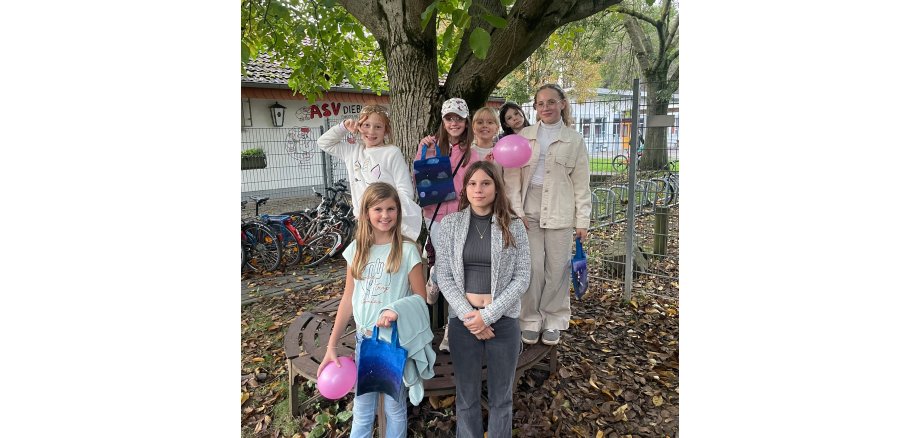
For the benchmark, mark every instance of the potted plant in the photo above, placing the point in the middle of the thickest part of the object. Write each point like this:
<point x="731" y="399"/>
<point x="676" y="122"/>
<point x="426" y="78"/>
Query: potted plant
<point x="253" y="159"/>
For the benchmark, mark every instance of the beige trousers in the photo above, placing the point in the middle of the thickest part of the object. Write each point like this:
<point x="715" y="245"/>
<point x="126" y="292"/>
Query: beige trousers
<point x="546" y="305"/>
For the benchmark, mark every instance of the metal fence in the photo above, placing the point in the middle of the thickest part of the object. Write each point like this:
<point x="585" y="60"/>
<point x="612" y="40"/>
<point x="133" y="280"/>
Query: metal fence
<point x="616" y="149"/>
<point x="295" y="168"/>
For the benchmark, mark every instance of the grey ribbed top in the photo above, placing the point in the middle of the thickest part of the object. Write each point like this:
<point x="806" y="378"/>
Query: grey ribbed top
<point x="477" y="255"/>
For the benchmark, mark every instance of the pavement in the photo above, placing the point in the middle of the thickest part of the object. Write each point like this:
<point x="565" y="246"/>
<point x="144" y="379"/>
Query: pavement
<point x="254" y="287"/>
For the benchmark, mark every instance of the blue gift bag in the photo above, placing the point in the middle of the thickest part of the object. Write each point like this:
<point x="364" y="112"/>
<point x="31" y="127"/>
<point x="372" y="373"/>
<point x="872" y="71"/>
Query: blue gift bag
<point x="380" y="365"/>
<point x="433" y="178"/>
<point x="579" y="270"/>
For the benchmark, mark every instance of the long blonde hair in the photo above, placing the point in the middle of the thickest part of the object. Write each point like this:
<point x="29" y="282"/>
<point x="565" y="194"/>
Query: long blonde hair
<point x="501" y="207"/>
<point x="364" y="235"/>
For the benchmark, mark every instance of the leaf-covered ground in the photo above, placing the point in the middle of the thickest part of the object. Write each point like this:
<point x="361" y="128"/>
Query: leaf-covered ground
<point x="617" y="377"/>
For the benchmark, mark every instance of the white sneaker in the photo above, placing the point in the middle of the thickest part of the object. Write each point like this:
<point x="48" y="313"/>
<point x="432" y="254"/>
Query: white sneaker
<point x="432" y="292"/>
<point x="445" y="345"/>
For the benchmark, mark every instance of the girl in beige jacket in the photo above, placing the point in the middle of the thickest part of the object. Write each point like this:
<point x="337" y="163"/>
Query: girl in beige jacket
<point x="551" y="191"/>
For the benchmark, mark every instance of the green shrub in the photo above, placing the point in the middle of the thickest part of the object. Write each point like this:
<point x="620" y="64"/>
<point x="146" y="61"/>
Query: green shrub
<point x="254" y="152"/>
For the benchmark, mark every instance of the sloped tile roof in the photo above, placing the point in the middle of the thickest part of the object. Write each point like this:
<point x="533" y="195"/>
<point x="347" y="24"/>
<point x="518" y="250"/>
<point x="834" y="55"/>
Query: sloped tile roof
<point x="262" y="70"/>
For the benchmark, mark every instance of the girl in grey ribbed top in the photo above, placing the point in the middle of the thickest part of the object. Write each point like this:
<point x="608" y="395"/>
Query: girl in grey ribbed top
<point x="477" y="263"/>
<point x="483" y="258"/>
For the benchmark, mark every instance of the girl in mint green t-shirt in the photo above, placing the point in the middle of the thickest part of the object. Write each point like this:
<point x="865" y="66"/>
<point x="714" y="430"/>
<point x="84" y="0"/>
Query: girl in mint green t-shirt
<point x="383" y="266"/>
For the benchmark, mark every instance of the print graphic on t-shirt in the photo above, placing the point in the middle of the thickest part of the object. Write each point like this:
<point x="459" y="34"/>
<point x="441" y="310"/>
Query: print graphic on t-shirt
<point x="376" y="282"/>
<point x="366" y="166"/>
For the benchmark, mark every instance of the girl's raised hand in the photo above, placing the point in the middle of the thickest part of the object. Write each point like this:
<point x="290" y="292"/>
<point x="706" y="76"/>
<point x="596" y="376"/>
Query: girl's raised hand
<point x="386" y="317"/>
<point x="330" y="357"/>
<point x="351" y="125"/>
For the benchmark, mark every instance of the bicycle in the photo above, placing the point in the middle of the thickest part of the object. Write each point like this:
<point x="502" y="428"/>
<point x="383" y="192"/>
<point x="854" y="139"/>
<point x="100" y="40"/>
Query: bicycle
<point x="328" y="228"/>
<point x="259" y="247"/>
<point x="290" y="238"/>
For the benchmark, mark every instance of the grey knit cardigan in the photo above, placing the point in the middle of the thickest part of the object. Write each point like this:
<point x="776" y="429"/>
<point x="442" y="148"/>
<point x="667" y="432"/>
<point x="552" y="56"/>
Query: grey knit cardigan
<point x="510" y="267"/>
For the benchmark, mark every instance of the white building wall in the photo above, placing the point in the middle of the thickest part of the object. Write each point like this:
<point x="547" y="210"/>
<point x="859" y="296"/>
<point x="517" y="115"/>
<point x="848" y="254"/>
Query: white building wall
<point x="294" y="160"/>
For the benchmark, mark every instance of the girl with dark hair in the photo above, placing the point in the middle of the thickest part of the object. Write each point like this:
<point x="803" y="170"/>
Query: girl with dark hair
<point x="512" y="119"/>
<point x="455" y="140"/>
<point x="483" y="267"/>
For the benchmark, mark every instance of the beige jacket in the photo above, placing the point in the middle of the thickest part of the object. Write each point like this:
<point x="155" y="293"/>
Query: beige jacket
<point x="566" y="191"/>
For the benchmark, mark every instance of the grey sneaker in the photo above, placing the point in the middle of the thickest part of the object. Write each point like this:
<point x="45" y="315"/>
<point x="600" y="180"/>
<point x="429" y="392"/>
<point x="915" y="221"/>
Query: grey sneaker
<point x="551" y="337"/>
<point x="529" y="337"/>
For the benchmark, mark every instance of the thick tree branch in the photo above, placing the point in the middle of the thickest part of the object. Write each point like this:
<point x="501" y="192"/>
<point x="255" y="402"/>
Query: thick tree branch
<point x="640" y="42"/>
<point x="636" y="14"/>
<point x="673" y="32"/>
<point x="370" y="14"/>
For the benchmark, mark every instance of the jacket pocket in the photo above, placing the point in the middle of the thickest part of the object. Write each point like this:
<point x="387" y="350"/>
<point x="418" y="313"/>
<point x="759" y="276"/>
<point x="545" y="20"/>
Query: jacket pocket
<point x="567" y="160"/>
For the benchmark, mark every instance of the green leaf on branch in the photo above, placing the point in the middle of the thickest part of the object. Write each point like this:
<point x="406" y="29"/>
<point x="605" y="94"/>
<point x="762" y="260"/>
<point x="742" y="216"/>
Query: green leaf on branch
<point x="507" y="3"/>
<point x="426" y="15"/>
<point x="244" y="52"/>
<point x="495" y="21"/>
<point x="479" y="42"/>
<point x="458" y="16"/>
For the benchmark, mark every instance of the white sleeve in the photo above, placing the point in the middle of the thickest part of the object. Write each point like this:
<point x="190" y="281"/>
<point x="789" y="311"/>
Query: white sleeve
<point x="411" y="212"/>
<point x="331" y="142"/>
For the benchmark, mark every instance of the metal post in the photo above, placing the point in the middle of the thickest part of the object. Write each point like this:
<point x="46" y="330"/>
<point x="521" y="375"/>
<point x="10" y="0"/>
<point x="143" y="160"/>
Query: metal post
<point x="631" y="192"/>
<point x="327" y="165"/>
<point x="661" y="231"/>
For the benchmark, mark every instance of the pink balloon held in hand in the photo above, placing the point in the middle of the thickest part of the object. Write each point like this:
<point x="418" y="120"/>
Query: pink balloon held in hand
<point x="334" y="383"/>
<point x="512" y="151"/>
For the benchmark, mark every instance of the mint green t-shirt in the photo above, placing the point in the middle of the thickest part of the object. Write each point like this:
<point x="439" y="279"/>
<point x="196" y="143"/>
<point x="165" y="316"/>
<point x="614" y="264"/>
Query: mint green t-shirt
<point x="379" y="288"/>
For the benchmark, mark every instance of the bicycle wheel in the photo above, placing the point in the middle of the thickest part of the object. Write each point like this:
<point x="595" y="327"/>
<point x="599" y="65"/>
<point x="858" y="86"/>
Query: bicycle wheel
<point x="291" y="251"/>
<point x="300" y="221"/>
<point x="620" y="163"/>
<point x="347" y="231"/>
<point x="263" y="252"/>
<point x="673" y="189"/>
<point x="321" y="248"/>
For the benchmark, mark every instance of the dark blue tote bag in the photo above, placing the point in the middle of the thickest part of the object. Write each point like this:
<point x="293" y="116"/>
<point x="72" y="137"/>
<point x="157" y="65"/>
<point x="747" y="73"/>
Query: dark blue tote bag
<point x="380" y="365"/>
<point x="433" y="179"/>
<point x="579" y="270"/>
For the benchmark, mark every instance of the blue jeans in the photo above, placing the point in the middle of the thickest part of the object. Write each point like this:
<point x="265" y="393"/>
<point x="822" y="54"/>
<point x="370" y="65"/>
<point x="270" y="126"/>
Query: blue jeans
<point x="365" y="408"/>
<point x="501" y="357"/>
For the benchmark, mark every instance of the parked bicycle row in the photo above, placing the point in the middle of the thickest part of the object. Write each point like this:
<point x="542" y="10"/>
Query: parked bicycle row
<point x="297" y="238"/>
<point x="608" y="204"/>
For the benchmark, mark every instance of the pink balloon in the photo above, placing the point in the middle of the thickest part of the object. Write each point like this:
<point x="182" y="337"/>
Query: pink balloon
<point x="335" y="382"/>
<point x="512" y="151"/>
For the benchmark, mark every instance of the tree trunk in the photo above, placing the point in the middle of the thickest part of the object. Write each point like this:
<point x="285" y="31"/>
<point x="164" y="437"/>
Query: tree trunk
<point x="655" y="154"/>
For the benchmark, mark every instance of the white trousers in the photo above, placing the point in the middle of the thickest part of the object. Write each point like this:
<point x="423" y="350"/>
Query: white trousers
<point x="546" y="305"/>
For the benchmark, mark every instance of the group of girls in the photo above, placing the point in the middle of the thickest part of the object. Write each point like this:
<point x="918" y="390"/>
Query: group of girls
<point x="503" y="246"/>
